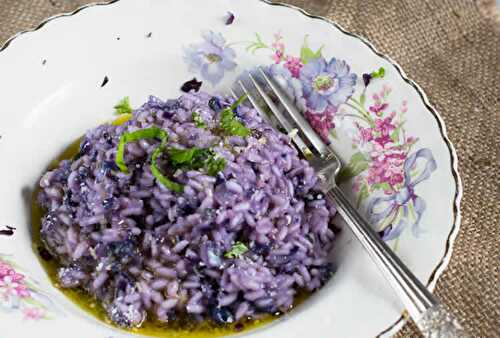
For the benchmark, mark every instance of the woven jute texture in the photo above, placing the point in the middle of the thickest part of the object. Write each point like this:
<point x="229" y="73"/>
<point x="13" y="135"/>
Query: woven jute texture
<point x="451" y="49"/>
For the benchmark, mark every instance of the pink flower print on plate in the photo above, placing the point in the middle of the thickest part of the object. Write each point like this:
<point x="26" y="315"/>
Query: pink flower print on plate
<point x="12" y="283"/>
<point x="31" y="313"/>
<point x="19" y="295"/>
<point x="378" y="108"/>
<point x="294" y="65"/>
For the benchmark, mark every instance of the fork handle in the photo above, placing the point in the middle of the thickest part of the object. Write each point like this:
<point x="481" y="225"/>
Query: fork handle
<point x="433" y="320"/>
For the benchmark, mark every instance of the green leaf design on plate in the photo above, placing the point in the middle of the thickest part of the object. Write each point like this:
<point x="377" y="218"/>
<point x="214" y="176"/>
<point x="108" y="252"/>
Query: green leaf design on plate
<point x="362" y="100"/>
<point x="395" y="133"/>
<point x="256" y="45"/>
<point x="356" y="166"/>
<point x="307" y="54"/>
<point x="333" y="132"/>
<point x="381" y="186"/>
<point x="363" y="194"/>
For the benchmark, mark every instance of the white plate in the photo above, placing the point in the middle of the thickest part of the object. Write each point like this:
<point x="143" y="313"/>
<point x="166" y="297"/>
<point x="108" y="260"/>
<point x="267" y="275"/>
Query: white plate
<point x="52" y="91"/>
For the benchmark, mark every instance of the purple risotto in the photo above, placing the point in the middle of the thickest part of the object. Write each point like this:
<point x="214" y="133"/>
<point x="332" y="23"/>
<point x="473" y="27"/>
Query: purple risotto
<point x="190" y="207"/>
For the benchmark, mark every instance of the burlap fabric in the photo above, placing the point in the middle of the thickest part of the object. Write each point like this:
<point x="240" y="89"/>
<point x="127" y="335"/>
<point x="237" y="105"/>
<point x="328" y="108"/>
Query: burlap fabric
<point x="450" y="48"/>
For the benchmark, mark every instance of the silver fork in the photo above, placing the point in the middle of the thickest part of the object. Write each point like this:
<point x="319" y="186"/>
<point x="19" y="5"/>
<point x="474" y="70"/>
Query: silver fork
<point x="431" y="317"/>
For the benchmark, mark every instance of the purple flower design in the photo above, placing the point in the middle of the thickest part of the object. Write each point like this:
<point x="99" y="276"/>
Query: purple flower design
<point x="211" y="58"/>
<point x="326" y="83"/>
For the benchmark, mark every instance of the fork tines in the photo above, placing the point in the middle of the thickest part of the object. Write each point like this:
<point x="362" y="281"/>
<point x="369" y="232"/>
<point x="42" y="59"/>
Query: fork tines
<point x="285" y="116"/>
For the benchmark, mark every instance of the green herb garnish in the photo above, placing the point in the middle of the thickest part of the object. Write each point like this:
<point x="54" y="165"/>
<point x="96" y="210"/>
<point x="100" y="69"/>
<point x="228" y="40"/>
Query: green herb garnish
<point x="230" y="124"/>
<point x="196" y="158"/>
<point x="215" y="165"/>
<point x="148" y="133"/>
<point x="191" y="158"/>
<point x="158" y="174"/>
<point x="123" y="107"/>
<point x="198" y="121"/>
<point x="236" y="251"/>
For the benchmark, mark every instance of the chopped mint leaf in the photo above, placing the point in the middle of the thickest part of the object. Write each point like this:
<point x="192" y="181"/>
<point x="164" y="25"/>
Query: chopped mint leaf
<point x="191" y="158"/>
<point x="240" y="100"/>
<point x="147" y="133"/>
<point x="137" y="135"/>
<point x="198" y="120"/>
<point x="195" y="158"/>
<point x="215" y="165"/>
<point x="123" y="107"/>
<point x="230" y="124"/>
<point x="237" y="250"/>
<point x="174" y="186"/>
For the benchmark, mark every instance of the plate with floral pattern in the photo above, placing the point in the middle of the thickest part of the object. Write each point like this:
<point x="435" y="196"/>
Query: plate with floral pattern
<point x="65" y="76"/>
